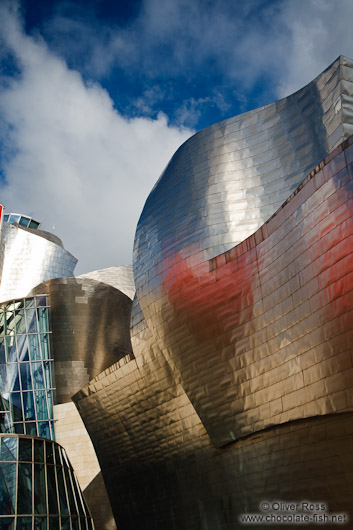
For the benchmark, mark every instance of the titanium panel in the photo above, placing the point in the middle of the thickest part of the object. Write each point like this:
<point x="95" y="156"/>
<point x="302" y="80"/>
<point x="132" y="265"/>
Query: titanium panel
<point x="121" y="278"/>
<point x="90" y="323"/>
<point x="31" y="257"/>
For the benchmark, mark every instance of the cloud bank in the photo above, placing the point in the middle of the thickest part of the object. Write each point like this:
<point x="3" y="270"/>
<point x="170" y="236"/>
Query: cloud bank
<point x="70" y="159"/>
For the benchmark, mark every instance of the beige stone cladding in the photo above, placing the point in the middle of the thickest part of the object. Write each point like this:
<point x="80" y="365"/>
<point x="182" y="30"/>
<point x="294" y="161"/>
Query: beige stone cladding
<point x="71" y="433"/>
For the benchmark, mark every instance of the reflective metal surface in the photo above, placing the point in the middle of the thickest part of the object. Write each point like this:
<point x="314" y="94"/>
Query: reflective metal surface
<point x="31" y="256"/>
<point x="233" y="326"/>
<point x="38" y="487"/>
<point x="90" y="323"/>
<point x="121" y="278"/>
<point x="240" y="384"/>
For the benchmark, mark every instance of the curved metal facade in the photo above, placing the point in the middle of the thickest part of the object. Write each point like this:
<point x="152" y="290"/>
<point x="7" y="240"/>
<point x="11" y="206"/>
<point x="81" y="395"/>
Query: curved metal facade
<point x="31" y="257"/>
<point x="269" y="352"/>
<point x="90" y="323"/>
<point x="241" y="375"/>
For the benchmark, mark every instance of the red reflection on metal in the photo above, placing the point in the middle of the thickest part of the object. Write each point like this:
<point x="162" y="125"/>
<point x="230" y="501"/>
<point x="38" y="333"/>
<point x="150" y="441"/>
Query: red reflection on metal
<point x="210" y="297"/>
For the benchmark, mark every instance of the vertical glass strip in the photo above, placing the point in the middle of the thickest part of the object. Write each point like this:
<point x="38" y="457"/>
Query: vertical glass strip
<point x="24" y="491"/>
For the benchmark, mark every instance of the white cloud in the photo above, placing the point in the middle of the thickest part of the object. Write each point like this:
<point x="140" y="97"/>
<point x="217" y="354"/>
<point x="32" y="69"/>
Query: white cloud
<point x="318" y="31"/>
<point x="70" y="159"/>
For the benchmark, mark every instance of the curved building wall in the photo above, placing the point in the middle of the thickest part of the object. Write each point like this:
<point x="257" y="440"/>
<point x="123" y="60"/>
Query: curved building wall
<point x="90" y="323"/>
<point x="29" y="259"/>
<point x="121" y="278"/>
<point x="38" y="487"/>
<point x="27" y="386"/>
<point x="247" y="394"/>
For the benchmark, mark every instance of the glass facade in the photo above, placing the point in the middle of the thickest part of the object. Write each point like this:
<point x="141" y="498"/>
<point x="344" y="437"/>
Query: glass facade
<point x="26" y="368"/>
<point x="22" y="220"/>
<point x="38" y="487"/>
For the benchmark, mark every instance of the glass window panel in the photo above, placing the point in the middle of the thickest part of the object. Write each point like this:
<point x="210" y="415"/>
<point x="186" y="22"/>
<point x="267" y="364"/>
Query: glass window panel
<point x="31" y="428"/>
<point x="24" y="221"/>
<point x="25" y="523"/>
<point x="49" y="453"/>
<point x="34" y="347"/>
<point x="40" y="523"/>
<point x="41" y="301"/>
<point x="16" y="406"/>
<point x="22" y="348"/>
<point x="28" y="406"/>
<point x="65" y="523"/>
<point x="54" y="523"/>
<point x="8" y="449"/>
<point x="2" y="351"/>
<point x="14" y="218"/>
<point x="38" y="377"/>
<point x="3" y="378"/>
<point x="52" y="433"/>
<point x="7" y="523"/>
<point x="33" y="224"/>
<point x="64" y="509"/>
<point x="77" y="495"/>
<point x="48" y="366"/>
<point x="25" y="450"/>
<point x="41" y="405"/>
<point x="50" y="402"/>
<point x="31" y="320"/>
<point x="29" y="302"/>
<point x="26" y="376"/>
<point x="40" y="494"/>
<point x="89" y="523"/>
<point x="70" y="493"/>
<point x="52" y="498"/>
<point x="4" y="427"/>
<point x="11" y="349"/>
<point x="74" y="523"/>
<point x="42" y="319"/>
<point x="44" y="430"/>
<point x="57" y="455"/>
<point x="20" y="321"/>
<point x="44" y="343"/>
<point x="7" y="488"/>
<point x="24" y="492"/>
<point x="6" y="217"/>
<point x="13" y="379"/>
<point x="84" y="523"/>
<point x="18" y="428"/>
<point x="38" y="451"/>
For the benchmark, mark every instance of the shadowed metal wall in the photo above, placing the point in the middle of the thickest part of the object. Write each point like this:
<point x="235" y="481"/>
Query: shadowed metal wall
<point x="90" y="323"/>
<point x="257" y="340"/>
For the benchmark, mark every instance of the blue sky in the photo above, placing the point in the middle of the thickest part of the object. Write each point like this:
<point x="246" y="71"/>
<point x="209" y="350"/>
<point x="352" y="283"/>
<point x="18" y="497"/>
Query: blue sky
<point x="96" y="95"/>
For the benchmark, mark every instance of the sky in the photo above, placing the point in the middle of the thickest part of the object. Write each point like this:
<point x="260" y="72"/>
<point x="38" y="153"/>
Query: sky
<point x="96" y="96"/>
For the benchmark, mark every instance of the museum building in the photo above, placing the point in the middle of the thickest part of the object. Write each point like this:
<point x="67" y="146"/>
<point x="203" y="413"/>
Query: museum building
<point x="226" y="379"/>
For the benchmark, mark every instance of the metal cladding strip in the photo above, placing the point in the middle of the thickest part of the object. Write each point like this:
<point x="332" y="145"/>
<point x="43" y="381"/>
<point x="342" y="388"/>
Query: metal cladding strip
<point x="31" y="258"/>
<point x="90" y="323"/>
<point x="234" y="325"/>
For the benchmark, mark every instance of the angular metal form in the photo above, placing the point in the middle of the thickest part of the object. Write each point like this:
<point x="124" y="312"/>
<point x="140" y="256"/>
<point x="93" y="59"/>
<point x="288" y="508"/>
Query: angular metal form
<point x="241" y="376"/>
